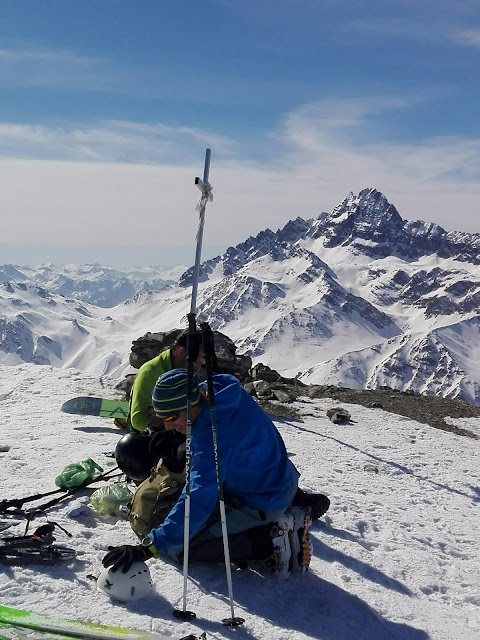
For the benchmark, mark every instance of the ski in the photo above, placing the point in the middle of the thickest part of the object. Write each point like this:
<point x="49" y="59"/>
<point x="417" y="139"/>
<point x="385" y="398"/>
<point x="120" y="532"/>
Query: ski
<point x="59" y="627"/>
<point x="91" y="406"/>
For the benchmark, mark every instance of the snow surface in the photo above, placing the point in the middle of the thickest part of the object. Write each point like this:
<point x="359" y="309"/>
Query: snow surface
<point x="396" y="556"/>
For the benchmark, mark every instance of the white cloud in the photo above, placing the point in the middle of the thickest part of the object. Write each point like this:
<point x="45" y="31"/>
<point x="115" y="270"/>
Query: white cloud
<point x="27" y="65"/>
<point x="419" y="27"/>
<point x="31" y="54"/>
<point x="107" y="141"/>
<point x="434" y="179"/>
<point x="344" y="132"/>
<point x="389" y="27"/>
<point x="330" y="119"/>
<point x="468" y="37"/>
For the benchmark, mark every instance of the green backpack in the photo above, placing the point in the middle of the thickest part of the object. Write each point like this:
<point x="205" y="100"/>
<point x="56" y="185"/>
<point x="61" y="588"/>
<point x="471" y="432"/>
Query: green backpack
<point x="154" y="499"/>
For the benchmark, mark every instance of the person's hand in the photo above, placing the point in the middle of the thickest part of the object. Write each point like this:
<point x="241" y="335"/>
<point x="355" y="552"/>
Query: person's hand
<point x="161" y="443"/>
<point x="169" y="446"/>
<point x="123" y="557"/>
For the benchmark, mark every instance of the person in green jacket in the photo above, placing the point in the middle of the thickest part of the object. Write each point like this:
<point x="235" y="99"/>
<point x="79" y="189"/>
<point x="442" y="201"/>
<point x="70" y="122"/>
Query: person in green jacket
<point x="141" y="414"/>
<point x="147" y="440"/>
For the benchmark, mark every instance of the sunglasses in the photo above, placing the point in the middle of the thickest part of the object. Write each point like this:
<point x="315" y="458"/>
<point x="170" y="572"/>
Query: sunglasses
<point x="171" y="418"/>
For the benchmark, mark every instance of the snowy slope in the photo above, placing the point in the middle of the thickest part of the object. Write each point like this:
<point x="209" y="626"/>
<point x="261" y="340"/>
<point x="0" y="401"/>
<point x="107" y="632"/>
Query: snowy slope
<point x="44" y="328"/>
<point x="395" y="558"/>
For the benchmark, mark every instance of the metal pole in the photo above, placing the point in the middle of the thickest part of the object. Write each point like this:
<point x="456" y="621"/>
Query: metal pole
<point x="206" y="189"/>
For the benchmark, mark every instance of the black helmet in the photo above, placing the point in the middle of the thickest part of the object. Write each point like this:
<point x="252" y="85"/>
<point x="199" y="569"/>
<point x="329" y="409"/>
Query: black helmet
<point x="133" y="456"/>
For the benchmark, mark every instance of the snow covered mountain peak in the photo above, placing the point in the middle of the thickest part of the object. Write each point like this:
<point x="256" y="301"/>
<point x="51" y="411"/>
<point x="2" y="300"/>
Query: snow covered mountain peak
<point x="372" y="226"/>
<point x="367" y="222"/>
<point x="370" y="206"/>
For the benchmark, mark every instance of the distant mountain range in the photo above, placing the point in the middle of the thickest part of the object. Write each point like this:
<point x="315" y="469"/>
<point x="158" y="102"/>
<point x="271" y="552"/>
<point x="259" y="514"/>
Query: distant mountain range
<point x="93" y="283"/>
<point x="358" y="297"/>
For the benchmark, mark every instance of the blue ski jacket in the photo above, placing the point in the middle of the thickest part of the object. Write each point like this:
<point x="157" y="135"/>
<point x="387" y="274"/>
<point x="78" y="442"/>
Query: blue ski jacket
<point x="253" y="459"/>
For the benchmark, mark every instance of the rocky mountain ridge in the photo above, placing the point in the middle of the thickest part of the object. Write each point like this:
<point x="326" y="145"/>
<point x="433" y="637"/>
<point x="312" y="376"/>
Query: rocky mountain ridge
<point x="358" y="298"/>
<point x="369" y="223"/>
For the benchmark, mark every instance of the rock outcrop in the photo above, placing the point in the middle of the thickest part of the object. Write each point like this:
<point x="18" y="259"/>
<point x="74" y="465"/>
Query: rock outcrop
<point x="275" y="394"/>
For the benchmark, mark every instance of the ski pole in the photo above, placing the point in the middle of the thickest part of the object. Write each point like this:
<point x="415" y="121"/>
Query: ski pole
<point x="209" y="354"/>
<point x="206" y="189"/>
<point x="19" y="502"/>
<point x="184" y="614"/>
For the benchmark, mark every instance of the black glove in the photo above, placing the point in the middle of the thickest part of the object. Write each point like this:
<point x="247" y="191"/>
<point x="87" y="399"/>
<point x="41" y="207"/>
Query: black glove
<point x="170" y="446"/>
<point x="123" y="557"/>
<point x="161" y="442"/>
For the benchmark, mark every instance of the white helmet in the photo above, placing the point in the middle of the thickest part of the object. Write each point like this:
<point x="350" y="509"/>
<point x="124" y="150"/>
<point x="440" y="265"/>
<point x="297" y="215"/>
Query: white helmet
<point x="133" y="585"/>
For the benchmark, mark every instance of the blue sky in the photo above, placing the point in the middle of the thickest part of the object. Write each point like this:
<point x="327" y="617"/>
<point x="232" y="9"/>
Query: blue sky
<point x="107" y="107"/>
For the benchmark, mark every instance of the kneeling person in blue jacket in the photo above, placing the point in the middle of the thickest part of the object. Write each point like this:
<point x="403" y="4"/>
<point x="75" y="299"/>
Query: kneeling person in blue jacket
<point x="259" y="483"/>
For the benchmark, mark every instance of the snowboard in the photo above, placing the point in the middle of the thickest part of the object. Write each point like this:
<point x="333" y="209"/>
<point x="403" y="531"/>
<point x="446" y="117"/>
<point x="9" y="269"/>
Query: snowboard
<point x="54" y="627"/>
<point x="90" y="406"/>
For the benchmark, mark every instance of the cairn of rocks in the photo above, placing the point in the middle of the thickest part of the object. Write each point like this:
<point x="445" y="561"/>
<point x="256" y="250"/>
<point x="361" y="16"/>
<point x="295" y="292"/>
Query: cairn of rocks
<point x="152" y="344"/>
